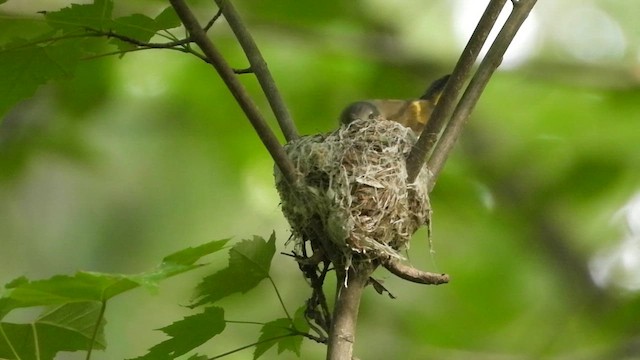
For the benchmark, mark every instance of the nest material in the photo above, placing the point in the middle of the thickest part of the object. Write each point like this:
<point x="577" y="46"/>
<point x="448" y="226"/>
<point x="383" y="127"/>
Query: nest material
<point x="354" y="191"/>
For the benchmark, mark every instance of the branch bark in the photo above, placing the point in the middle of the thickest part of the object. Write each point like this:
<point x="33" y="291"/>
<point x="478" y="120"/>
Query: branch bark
<point x="238" y="91"/>
<point x="412" y="274"/>
<point x="446" y="104"/>
<point x="260" y="69"/>
<point x="490" y="63"/>
<point x="350" y="286"/>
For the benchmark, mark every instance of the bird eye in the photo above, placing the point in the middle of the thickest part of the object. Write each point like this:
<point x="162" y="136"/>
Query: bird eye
<point x="372" y="116"/>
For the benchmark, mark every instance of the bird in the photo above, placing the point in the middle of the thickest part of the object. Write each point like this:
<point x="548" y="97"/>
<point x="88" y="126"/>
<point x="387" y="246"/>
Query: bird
<point x="413" y="113"/>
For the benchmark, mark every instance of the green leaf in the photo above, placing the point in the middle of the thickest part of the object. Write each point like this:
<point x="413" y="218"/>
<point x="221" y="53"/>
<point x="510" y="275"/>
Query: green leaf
<point x="17" y="27"/>
<point x="188" y="333"/>
<point x="78" y="17"/>
<point x="198" y="357"/>
<point x="300" y="321"/>
<point x="92" y="286"/>
<point x="69" y="327"/>
<point x="294" y="343"/>
<point x="142" y="27"/>
<point x="271" y="334"/>
<point x="137" y="26"/>
<point x="280" y="332"/>
<point x="167" y="19"/>
<point x="190" y="255"/>
<point x="24" y="67"/>
<point x="249" y="264"/>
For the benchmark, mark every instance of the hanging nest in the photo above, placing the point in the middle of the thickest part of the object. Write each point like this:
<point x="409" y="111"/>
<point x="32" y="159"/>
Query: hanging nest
<point x="353" y="198"/>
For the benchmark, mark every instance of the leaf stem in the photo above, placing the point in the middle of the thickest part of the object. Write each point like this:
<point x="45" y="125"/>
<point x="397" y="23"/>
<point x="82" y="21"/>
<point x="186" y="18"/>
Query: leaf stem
<point x="280" y="299"/>
<point x="243" y="322"/>
<point x="94" y="335"/>
<point x="130" y="40"/>
<point x="6" y="339"/>
<point x="36" y="342"/>
<point x="120" y="52"/>
<point x="253" y="344"/>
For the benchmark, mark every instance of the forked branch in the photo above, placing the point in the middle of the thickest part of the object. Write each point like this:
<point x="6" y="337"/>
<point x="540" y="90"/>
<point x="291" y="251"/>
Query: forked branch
<point x="260" y="69"/>
<point x="238" y="91"/>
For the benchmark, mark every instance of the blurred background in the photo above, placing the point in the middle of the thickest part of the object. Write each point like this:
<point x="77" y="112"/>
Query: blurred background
<point x="536" y="214"/>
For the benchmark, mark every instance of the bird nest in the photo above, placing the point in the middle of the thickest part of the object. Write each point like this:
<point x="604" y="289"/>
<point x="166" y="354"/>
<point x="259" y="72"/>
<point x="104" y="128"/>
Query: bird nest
<point x="353" y="190"/>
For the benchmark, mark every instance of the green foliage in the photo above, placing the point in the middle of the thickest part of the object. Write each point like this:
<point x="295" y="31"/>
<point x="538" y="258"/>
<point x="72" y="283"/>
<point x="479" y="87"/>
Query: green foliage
<point x="68" y="327"/>
<point x="249" y="264"/>
<point x="90" y="286"/>
<point x="187" y="334"/>
<point x="284" y="333"/>
<point x="75" y="305"/>
<point x="70" y="35"/>
<point x="76" y="17"/>
<point x="25" y="65"/>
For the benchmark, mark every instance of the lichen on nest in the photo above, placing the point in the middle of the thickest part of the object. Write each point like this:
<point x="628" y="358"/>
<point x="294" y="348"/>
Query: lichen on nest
<point x="354" y="188"/>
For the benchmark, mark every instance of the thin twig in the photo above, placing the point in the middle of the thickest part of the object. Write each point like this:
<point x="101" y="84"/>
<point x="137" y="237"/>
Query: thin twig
<point x="94" y="333"/>
<point x="412" y="274"/>
<point x="322" y="297"/>
<point x="122" y="52"/>
<point x="471" y="95"/>
<point x="133" y="41"/>
<point x="248" y="70"/>
<point x="178" y="45"/>
<point x="259" y="67"/>
<point x="237" y="90"/>
<point x="213" y="20"/>
<point x="446" y="104"/>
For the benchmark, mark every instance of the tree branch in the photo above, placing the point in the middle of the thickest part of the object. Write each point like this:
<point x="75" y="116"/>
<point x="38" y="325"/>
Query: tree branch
<point x="412" y="274"/>
<point x="237" y="90"/>
<point x="259" y="67"/>
<point x="350" y="286"/>
<point x="446" y="104"/>
<point x="479" y="81"/>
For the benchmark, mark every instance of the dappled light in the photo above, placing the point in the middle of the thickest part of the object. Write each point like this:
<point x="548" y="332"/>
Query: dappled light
<point x="619" y="265"/>
<point x="589" y="34"/>
<point x="465" y="15"/>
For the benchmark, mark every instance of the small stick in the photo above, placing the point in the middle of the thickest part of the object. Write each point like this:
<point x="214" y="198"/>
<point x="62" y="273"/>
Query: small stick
<point x="412" y="274"/>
